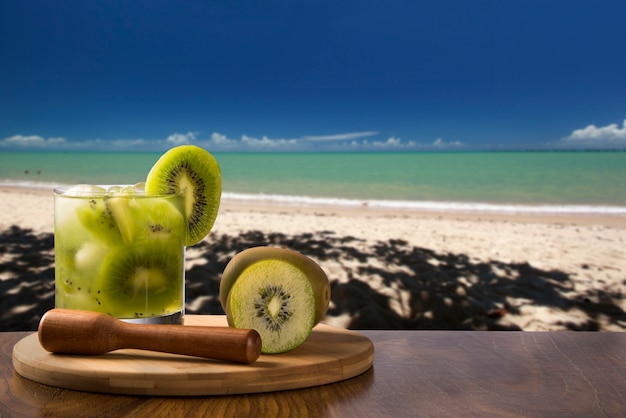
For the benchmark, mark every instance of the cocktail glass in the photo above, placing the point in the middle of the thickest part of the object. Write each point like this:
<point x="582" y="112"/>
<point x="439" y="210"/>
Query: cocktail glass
<point x="120" y="251"/>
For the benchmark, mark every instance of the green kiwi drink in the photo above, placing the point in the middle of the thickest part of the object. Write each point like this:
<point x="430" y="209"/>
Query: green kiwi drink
<point x="120" y="251"/>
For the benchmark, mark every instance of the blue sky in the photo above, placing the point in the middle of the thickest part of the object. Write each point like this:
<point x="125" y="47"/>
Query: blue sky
<point x="312" y="76"/>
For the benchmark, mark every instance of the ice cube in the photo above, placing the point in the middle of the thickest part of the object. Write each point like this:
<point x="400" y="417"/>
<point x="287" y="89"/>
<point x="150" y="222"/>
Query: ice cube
<point x="90" y="256"/>
<point x="115" y="190"/>
<point x="140" y="187"/>
<point x="84" y="190"/>
<point x="126" y="190"/>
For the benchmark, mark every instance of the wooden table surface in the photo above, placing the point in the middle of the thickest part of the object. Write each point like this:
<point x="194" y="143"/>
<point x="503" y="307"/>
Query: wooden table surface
<point x="415" y="373"/>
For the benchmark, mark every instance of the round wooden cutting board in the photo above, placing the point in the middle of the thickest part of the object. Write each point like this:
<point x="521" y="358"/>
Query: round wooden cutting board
<point x="329" y="355"/>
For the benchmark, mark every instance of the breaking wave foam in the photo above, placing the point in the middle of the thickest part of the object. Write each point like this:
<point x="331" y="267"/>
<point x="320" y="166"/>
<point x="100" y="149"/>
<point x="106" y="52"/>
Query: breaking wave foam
<point x="426" y="205"/>
<point x="433" y="206"/>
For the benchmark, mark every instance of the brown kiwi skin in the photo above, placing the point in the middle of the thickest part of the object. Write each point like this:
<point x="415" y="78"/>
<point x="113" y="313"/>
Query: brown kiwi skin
<point x="315" y="274"/>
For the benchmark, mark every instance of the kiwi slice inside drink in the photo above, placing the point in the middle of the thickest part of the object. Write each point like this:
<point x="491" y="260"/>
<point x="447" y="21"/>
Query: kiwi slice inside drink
<point x="74" y="270"/>
<point x="276" y="299"/>
<point x="141" y="280"/>
<point x="96" y="216"/>
<point x="146" y="217"/>
<point x="193" y="171"/>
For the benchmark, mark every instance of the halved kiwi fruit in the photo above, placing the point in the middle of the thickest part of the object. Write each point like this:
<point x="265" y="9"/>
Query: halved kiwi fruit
<point x="280" y="293"/>
<point x="241" y="261"/>
<point x="276" y="299"/>
<point x="193" y="171"/>
<point x="144" y="278"/>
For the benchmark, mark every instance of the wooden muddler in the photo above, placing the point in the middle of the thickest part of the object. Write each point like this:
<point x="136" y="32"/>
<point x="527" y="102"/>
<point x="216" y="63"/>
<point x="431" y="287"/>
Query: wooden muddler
<point x="72" y="331"/>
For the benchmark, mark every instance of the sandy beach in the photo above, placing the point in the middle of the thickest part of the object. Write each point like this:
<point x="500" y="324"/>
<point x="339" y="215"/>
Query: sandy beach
<point x="388" y="269"/>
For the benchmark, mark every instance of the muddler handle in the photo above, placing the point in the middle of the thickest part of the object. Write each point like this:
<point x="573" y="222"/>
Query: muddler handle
<point x="72" y="331"/>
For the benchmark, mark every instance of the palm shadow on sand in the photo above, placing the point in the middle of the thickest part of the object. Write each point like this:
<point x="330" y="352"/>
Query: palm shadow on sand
<point x="416" y="288"/>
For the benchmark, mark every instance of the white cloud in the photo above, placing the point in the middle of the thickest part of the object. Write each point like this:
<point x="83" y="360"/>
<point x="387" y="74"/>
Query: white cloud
<point x="221" y="142"/>
<point x="339" y="137"/>
<point x="591" y="135"/>
<point x="181" y="139"/>
<point x="35" y="141"/>
<point x="440" y="143"/>
<point x="265" y="142"/>
<point x="391" y="142"/>
<point x="220" y="139"/>
<point x="61" y="144"/>
<point x="394" y="143"/>
<point x="355" y="141"/>
<point x="129" y="143"/>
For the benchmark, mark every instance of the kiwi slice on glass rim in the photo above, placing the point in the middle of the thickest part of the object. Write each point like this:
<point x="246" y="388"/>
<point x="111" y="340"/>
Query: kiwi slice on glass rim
<point x="193" y="171"/>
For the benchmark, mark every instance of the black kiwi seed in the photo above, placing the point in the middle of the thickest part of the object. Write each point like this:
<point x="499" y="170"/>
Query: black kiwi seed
<point x="200" y="199"/>
<point x="200" y="202"/>
<point x="158" y="228"/>
<point x="107" y="219"/>
<point x="274" y="323"/>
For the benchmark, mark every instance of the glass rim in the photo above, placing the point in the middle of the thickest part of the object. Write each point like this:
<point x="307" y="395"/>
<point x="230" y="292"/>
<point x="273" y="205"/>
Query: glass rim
<point x="62" y="190"/>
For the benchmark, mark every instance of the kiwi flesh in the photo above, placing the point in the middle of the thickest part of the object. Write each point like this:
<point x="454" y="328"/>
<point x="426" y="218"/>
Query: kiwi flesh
<point x="145" y="278"/>
<point x="96" y="216"/>
<point x="74" y="268"/>
<point x="276" y="299"/>
<point x="242" y="260"/>
<point x="193" y="171"/>
<point x="144" y="217"/>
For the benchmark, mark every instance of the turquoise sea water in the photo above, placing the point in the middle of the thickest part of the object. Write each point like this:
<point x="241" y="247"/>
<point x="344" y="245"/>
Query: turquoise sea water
<point x="578" y="181"/>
